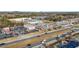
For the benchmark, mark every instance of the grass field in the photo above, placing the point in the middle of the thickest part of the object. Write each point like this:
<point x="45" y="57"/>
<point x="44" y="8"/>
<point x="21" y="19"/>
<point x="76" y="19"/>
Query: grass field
<point x="76" y="26"/>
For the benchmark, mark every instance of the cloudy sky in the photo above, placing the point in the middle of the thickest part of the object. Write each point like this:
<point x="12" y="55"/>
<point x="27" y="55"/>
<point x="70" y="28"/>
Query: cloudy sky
<point x="39" y="5"/>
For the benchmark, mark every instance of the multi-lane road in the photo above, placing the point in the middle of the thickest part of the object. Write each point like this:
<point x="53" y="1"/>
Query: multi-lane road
<point x="31" y="39"/>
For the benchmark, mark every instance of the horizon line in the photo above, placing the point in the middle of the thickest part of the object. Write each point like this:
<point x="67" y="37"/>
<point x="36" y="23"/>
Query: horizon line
<point x="39" y="11"/>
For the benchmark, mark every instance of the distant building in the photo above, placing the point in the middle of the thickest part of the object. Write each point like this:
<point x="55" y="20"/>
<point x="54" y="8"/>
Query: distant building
<point x="19" y="29"/>
<point x="33" y="21"/>
<point x="19" y="19"/>
<point x="6" y="30"/>
<point x="74" y="21"/>
<point x="45" y="26"/>
<point x="41" y="17"/>
<point x="62" y="22"/>
<point x="30" y="27"/>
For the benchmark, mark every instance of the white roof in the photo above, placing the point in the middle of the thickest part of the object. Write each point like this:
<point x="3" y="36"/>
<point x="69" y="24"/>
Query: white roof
<point x="18" y="19"/>
<point x="35" y="21"/>
<point x="30" y="27"/>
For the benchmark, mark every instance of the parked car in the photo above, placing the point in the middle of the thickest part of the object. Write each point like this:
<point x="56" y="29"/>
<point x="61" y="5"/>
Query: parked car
<point x="2" y="44"/>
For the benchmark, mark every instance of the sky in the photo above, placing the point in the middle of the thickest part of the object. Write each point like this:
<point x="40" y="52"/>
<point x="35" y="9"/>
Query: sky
<point x="39" y="5"/>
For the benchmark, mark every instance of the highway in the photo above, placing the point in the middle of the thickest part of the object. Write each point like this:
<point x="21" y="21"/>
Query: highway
<point x="11" y="39"/>
<point x="53" y="40"/>
<point x="24" y="42"/>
